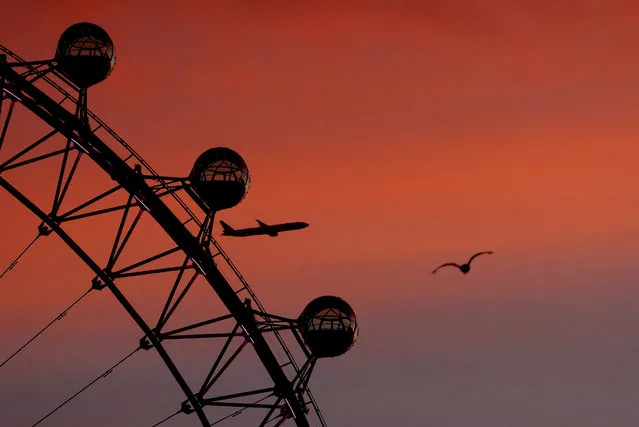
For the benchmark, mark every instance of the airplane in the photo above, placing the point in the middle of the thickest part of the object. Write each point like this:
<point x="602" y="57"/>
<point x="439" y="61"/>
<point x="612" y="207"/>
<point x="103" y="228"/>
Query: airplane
<point x="271" y="230"/>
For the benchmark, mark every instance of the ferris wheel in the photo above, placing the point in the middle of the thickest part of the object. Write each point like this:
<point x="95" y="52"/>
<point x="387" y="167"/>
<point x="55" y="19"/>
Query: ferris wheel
<point x="46" y="127"/>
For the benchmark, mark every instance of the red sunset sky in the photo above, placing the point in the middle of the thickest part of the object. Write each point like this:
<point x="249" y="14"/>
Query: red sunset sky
<point x="407" y="134"/>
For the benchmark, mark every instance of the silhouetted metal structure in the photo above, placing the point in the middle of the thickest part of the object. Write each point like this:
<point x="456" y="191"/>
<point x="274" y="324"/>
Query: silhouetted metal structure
<point x="55" y="92"/>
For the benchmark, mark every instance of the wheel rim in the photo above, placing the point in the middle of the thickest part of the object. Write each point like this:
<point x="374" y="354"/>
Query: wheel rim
<point x="149" y="198"/>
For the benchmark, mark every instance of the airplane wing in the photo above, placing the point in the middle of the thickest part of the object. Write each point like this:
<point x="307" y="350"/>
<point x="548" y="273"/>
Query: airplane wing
<point x="271" y="231"/>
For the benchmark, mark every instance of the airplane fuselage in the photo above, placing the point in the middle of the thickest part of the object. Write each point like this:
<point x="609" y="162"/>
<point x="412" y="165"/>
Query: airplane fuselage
<point x="264" y="229"/>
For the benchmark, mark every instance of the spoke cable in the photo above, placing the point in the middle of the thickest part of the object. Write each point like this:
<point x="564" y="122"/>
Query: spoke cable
<point x="167" y="418"/>
<point x="103" y="375"/>
<point x="60" y="316"/>
<point x="238" y="412"/>
<point x="15" y="261"/>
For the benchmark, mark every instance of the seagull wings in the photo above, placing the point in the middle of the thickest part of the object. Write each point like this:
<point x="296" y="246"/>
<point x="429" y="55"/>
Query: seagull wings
<point x="451" y="264"/>
<point x="479" y="253"/>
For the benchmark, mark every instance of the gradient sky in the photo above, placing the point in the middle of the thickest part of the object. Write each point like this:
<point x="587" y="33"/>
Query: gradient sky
<point x="407" y="134"/>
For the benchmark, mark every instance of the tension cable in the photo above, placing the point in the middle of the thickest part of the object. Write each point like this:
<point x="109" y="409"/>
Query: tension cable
<point x="15" y="261"/>
<point x="167" y="418"/>
<point x="103" y="375"/>
<point x="60" y="316"/>
<point x="238" y="412"/>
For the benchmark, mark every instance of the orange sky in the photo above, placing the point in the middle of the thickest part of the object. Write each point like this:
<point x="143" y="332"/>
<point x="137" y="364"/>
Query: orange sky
<point x="407" y="134"/>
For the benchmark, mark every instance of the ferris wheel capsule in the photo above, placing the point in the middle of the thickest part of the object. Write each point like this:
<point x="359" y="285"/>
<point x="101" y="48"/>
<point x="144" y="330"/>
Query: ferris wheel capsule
<point x="220" y="178"/>
<point x="329" y="326"/>
<point x="85" y="54"/>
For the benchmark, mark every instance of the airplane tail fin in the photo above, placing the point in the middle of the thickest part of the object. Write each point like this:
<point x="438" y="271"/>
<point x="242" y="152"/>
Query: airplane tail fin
<point x="226" y="228"/>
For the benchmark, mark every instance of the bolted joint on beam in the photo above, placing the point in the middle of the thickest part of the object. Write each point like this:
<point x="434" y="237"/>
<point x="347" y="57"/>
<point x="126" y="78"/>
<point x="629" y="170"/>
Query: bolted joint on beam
<point x="145" y="343"/>
<point x="186" y="407"/>
<point x="44" y="230"/>
<point x="97" y="284"/>
<point x="282" y="390"/>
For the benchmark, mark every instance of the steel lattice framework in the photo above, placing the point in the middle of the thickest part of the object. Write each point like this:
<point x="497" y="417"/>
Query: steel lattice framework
<point x="71" y="133"/>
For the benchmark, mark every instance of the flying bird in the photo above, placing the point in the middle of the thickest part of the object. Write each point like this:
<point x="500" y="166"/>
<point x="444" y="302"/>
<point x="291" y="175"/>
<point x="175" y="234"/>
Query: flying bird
<point x="464" y="268"/>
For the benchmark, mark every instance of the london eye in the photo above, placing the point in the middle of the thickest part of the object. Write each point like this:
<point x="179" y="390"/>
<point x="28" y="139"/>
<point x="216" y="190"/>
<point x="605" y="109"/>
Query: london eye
<point x="92" y="179"/>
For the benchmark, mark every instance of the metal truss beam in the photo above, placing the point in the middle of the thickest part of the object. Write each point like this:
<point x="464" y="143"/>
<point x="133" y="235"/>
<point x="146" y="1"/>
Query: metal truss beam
<point x="73" y="128"/>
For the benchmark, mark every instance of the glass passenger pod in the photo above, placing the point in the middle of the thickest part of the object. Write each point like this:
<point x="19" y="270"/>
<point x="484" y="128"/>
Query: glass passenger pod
<point x="328" y="326"/>
<point x="85" y="54"/>
<point x="220" y="178"/>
